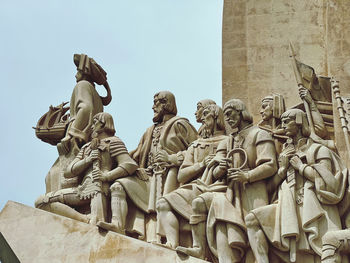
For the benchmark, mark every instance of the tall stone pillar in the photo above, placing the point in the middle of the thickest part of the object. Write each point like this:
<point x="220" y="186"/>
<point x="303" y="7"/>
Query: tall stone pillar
<point x="255" y="54"/>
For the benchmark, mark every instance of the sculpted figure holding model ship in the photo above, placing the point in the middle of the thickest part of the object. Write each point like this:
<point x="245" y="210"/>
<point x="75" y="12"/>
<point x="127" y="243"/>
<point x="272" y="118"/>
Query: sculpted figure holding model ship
<point x="224" y="186"/>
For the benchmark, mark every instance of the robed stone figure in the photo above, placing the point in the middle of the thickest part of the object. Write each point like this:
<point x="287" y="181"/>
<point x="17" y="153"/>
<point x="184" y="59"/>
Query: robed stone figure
<point x="159" y="155"/>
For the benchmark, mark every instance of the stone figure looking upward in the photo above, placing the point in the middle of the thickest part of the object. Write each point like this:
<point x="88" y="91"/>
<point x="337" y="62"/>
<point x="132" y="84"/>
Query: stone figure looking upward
<point x="159" y="155"/>
<point x="85" y="102"/>
<point x="314" y="181"/>
<point x="219" y="213"/>
<point x="97" y="165"/>
<point x="197" y="157"/>
<point x="272" y="107"/>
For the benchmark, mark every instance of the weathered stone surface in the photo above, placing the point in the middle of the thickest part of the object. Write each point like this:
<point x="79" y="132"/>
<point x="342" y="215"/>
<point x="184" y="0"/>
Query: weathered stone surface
<point x="39" y="236"/>
<point x="255" y="41"/>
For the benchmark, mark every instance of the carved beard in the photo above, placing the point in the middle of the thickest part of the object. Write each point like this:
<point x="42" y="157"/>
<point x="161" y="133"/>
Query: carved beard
<point x="158" y="118"/>
<point x="207" y="131"/>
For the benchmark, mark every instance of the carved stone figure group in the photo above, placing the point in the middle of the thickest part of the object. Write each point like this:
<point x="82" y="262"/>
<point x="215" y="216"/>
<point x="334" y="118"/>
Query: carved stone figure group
<point x="271" y="192"/>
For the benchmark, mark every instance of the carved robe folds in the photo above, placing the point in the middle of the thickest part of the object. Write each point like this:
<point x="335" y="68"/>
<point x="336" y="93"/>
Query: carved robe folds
<point x="176" y="135"/>
<point x="85" y="103"/>
<point x="306" y="210"/>
<point x="181" y="199"/>
<point x="261" y="164"/>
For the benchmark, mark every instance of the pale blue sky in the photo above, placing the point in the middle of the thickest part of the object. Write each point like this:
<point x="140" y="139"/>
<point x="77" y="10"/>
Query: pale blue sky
<point x="144" y="46"/>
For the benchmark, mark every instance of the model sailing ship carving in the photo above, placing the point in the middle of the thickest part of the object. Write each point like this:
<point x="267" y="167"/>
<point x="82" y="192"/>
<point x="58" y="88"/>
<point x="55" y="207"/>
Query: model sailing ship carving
<point x="52" y="126"/>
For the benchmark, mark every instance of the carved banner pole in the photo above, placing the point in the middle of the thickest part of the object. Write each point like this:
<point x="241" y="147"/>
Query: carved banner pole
<point x="301" y="85"/>
<point x="343" y="121"/>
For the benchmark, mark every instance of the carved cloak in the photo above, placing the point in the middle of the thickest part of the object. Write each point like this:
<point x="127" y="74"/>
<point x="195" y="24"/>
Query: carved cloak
<point x="261" y="164"/>
<point x="85" y="103"/>
<point x="316" y="212"/>
<point x="177" y="135"/>
<point x="181" y="199"/>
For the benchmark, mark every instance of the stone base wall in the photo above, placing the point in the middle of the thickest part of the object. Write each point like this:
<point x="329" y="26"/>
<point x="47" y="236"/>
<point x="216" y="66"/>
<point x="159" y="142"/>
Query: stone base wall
<point x="38" y="236"/>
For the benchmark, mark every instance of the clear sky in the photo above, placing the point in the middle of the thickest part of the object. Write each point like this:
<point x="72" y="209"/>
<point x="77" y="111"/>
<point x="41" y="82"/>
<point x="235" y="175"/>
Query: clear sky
<point x="145" y="46"/>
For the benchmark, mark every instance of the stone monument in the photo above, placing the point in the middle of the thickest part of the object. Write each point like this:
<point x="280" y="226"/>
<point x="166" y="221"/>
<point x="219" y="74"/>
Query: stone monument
<point x="238" y="190"/>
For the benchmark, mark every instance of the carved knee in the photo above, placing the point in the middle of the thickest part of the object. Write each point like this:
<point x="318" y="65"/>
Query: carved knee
<point x="48" y="198"/>
<point x="162" y="205"/>
<point x="251" y="221"/>
<point x="117" y="190"/>
<point x="198" y="206"/>
<point x="40" y="201"/>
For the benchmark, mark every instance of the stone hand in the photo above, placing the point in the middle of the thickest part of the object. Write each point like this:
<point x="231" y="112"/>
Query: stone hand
<point x="237" y="176"/>
<point x="284" y="157"/>
<point x="162" y="156"/>
<point x="305" y="95"/>
<point x="222" y="162"/>
<point x="100" y="175"/>
<point x="296" y="162"/>
<point x="66" y="138"/>
<point x="208" y="159"/>
<point x="94" y="155"/>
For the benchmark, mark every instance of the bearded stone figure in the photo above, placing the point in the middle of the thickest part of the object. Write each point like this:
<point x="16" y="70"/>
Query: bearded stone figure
<point x="197" y="157"/>
<point x="218" y="208"/>
<point x="159" y="156"/>
<point x="97" y="165"/>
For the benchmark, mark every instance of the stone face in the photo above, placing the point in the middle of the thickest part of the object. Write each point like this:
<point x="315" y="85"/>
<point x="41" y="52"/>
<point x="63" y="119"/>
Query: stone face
<point x="38" y="236"/>
<point x="255" y="53"/>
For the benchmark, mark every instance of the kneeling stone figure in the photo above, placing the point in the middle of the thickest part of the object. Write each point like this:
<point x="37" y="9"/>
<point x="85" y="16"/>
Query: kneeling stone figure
<point x="98" y="163"/>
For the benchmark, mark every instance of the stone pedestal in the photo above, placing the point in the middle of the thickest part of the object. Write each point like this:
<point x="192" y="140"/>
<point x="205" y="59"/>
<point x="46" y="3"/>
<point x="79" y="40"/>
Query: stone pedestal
<point x="38" y="236"/>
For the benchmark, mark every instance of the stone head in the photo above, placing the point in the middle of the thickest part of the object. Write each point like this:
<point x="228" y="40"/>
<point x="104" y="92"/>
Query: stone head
<point x="212" y="119"/>
<point x="236" y="113"/>
<point x="266" y="109"/>
<point x="272" y="106"/>
<point x="102" y="122"/>
<point x="294" y="122"/>
<point x="88" y="69"/>
<point x="200" y="106"/>
<point x="163" y="103"/>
